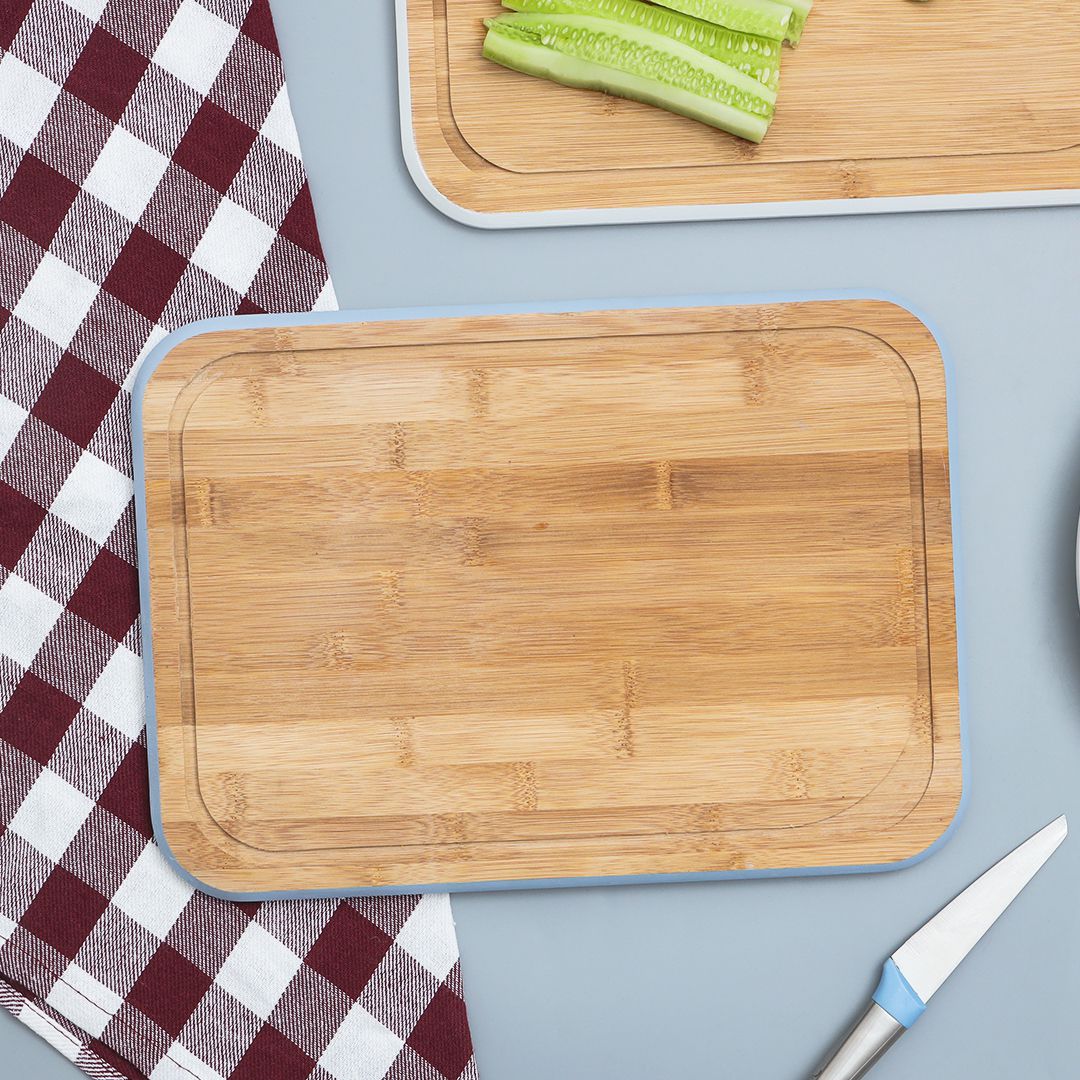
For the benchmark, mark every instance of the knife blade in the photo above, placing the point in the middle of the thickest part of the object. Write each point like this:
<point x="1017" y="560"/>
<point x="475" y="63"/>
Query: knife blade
<point x="916" y="971"/>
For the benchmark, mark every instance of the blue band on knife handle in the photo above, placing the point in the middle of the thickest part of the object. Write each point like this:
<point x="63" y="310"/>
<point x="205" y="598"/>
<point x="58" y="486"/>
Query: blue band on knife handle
<point x="895" y="995"/>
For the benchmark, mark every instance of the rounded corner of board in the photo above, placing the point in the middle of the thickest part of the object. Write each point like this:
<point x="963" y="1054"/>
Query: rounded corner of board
<point x="155" y="362"/>
<point x="182" y="354"/>
<point x="909" y="311"/>
<point x="947" y="820"/>
<point x="910" y="316"/>
<point x="197" y="879"/>
<point x="956" y="805"/>
<point x="435" y="196"/>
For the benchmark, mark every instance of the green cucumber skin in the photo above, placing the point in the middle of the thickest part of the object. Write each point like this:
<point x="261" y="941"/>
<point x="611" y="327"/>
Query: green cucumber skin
<point x="525" y="56"/>
<point x="757" y="57"/>
<point x="800" y="10"/>
<point x="638" y="51"/>
<point x="763" y="18"/>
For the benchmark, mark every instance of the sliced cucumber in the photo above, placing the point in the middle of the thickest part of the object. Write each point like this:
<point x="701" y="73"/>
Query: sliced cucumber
<point x="757" y="57"/>
<point x="637" y="51"/>
<point x="765" y="18"/>
<point x="800" y="9"/>
<point x="522" y="53"/>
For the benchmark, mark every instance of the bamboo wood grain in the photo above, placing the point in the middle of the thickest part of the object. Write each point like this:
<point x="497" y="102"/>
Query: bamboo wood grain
<point x="552" y="596"/>
<point x="881" y="99"/>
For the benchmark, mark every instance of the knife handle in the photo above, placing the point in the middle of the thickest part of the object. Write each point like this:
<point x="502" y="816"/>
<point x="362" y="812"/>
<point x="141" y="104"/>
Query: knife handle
<point x="894" y="1009"/>
<point x="864" y="1046"/>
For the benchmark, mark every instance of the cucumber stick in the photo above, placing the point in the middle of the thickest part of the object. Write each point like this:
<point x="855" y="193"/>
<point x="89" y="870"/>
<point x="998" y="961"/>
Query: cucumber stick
<point x="764" y="18"/>
<point x="800" y="9"/>
<point x="757" y="57"/>
<point x="522" y="52"/>
<point x="634" y="50"/>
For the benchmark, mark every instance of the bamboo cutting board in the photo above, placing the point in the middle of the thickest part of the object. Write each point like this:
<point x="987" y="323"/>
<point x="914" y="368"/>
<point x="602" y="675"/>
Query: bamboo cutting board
<point x="886" y="104"/>
<point x="527" y="597"/>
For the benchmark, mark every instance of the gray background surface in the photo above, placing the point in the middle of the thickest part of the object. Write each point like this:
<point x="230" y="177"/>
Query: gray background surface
<point x="753" y="980"/>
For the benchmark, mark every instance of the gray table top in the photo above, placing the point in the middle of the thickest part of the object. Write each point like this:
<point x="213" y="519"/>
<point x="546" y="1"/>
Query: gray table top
<point x="755" y="979"/>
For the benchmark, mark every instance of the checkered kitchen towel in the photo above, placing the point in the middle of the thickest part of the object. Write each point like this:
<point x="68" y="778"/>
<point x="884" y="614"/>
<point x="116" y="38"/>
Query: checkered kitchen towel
<point x="150" y="175"/>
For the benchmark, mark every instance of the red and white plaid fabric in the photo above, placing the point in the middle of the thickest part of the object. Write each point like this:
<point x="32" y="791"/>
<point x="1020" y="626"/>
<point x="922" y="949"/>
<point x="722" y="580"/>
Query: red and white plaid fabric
<point x="150" y="175"/>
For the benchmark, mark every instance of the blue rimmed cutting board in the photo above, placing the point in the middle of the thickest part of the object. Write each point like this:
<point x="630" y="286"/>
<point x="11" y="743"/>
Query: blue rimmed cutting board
<point x="550" y="597"/>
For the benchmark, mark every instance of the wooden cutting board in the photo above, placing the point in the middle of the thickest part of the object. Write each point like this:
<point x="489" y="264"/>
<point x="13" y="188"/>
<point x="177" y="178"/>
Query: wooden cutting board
<point x="571" y="595"/>
<point x="885" y="101"/>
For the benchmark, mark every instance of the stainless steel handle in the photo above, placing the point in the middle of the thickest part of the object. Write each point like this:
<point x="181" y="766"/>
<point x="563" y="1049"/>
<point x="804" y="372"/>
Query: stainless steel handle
<point x="863" y="1048"/>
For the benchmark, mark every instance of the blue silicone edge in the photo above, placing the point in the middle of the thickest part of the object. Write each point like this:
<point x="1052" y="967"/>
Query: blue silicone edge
<point x="897" y="997"/>
<point x="155" y="357"/>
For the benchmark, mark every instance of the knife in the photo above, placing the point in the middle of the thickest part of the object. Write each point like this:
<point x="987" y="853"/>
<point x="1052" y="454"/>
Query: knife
<point x="915" y="972"/>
